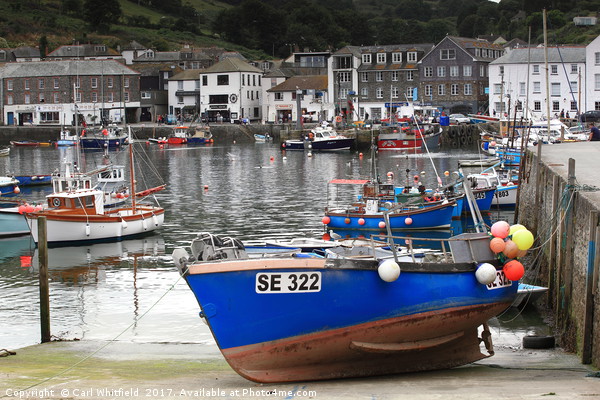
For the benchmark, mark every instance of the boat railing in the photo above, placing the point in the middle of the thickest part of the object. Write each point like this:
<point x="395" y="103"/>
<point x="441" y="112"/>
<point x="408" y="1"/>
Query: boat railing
<point x="463" y="248"/>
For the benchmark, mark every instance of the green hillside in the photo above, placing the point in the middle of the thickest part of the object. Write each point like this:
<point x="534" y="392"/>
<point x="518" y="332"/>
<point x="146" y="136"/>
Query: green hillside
<point x="270" y="28"/>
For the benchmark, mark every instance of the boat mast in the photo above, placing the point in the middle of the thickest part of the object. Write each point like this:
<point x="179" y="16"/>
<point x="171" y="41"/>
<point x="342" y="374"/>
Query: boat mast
<point x="131" y="170"/>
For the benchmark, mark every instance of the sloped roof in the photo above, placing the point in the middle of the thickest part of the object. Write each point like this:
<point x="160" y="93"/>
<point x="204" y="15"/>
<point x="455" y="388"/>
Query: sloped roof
<point x="232" y="64"/>
<point x="187" y="75"/>
<point x="83" y="50"/>
<point x="572" y="54"/>
<point x="151" y="69"/>
<point x="26" y="51"/>
<point x="302" y="82"/>
<point x="66" y="68"/>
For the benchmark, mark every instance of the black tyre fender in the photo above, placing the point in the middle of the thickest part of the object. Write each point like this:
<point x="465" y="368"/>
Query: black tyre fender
<point x="538" y="342"/>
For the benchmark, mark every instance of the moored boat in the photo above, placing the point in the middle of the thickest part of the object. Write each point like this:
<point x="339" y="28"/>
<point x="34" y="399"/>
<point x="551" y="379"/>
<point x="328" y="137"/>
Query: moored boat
<point x="12" y="222"/>
<point x="8" y="186"/>
<point x="202" y="135"/>
<point x="362" y="312"/>
<point x="179" y="135"/>
<point x="410" y="137"/>
<point x="109" y="137"/>
<point x="321" y="138"/>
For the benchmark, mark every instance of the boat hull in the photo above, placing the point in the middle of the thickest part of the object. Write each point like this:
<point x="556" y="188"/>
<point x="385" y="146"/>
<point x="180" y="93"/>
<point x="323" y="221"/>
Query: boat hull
<point x="101" y="143"/>
<point x="427" y="217"/>
<point x="339" y="144"/>
<point x="12" y="223"/>
<point x="33" y="180"/>
<point x="505" y="196"/>
<point x="354" y="325"/>
<point x="113" y="225"/>
<point x="401" y="141"/>
<point x="483" y="197"/>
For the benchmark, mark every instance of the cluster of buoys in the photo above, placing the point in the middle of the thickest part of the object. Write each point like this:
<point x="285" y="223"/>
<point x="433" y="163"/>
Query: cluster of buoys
<point x="511" y="242"/>
<point x="28" y="208"/>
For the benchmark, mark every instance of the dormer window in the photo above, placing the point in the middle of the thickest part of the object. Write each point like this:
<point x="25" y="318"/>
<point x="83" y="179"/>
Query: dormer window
<point x="380" y="58"/>
<point x="396" y="58"/>
<point x="366" y="58"/>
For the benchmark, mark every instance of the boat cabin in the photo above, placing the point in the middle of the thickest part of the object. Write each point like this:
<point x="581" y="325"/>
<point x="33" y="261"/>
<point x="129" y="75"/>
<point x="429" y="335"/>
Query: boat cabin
<point x="90" y="202"/>
<point x="115" y="173"/>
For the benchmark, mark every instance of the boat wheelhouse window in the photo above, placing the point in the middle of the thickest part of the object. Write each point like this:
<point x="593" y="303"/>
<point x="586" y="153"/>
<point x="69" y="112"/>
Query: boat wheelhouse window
<point x="87" y="201"/>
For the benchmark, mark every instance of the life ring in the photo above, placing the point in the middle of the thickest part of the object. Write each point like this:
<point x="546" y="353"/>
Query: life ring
<point x="338" y="119"/>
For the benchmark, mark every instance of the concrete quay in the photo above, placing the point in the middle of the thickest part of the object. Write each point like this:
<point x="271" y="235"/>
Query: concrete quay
<point x="561" y="206"/>
<point x="115" y="370"/>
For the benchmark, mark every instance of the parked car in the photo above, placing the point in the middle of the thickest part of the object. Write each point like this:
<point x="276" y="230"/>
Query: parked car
<point x="590" y="116"/>
<point x="171" y="119"/>
<point x="459" y="119"/>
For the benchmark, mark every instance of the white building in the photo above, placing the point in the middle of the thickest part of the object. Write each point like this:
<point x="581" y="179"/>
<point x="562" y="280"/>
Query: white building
<point x="184" y="94"/>
<point x="519" y="79"/>
<point x="230" y="91"/>
<point x="592" y="60"/>
<point x="301" y="96"/>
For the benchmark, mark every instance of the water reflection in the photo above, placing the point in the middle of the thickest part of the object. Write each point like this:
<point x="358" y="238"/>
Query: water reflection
<point x="251" y="192"/>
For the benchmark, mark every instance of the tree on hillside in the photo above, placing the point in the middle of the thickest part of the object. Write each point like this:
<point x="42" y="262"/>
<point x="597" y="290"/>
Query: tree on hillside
<point x="100" y="14"/>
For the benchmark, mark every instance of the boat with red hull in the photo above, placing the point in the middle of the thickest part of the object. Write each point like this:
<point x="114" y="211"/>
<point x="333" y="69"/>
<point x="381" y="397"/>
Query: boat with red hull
<point x="410" y="137"/>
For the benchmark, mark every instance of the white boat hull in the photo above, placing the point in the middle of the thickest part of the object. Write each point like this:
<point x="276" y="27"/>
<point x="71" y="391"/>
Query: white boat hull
<point x="113" y="226"/>
<point x="505" y="196"/>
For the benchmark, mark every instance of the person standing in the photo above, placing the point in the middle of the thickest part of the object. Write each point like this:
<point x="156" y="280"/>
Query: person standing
<point x="594" y="133"/>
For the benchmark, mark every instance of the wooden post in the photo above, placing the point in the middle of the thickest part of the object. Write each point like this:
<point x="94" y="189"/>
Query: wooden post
<point x="588" y="320"/>
<point x="44" y="292"/>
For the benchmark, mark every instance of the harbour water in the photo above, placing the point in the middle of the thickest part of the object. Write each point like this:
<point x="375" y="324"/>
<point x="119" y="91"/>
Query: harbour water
<point x="131" y="291"/>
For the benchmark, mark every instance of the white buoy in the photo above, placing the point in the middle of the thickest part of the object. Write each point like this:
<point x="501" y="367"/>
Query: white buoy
<point x="485" y="274"/>
<point x="389" y="270"/>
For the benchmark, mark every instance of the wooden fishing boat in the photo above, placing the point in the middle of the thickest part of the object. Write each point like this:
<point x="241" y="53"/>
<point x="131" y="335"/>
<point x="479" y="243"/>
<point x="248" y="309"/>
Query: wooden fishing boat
<point x="359" y="311"/>
<point x="78" y="214"/>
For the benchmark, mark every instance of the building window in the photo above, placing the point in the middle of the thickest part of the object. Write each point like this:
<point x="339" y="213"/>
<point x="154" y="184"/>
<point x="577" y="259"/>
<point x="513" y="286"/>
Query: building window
<point x="536" y="69"/>
<point x="482" y="71"/>
<point x="573" y="86"/>
<point x="179" y="85"/>
<point x="409" y="92"/>
<point x="573" y="106"/>
<point x="243" y="80"/>
<point x="42" y="98"/>
<point x="78" y="97"/>
<point x="441" y="90"/>
<point x="379" y="76"/>
<point x="501" y="70"/>
<point x="344" y="62"/>
<point x="9" y="99"/>
<point x="597" y="58"/>
<point x="428" y="90"/>
<point x="366" y="58"/>
<point x="411" y="56"/>
<point x="109" y="82"/>
<point x="56" y="83"/>
<point x="222" y="80"/>
<point x="395" y="92"/>
<point x="77" y="83"/>
<point x="522" y="88"/>
<point x="410" y="75"/>
<point x="555" y="89"/>
<point x="454" y="70"/>
<point x="343" y="93"/>
<point x="467" y="70"/>
<point x="146" y="95"/>
<point x="27" y="84"/>
<point x="126" y="82"/>
<point x="395" y="75"/>
<point x="380" y="58"/>
<point x="428" y="72"/>
<point x="27" y="98"/>
<point x="448" y="54"/>
<point x="454" y="89"/>
<point x="126" y="96"/>
<point x="396" y="58"/>
<point x="497" y="88"/>
<point x="537" y="87"/>
<point x="110" y="97"/>
<point x="278" y="96"/>
<point x="574" y="68"/>
<point x="364" y="92"/>
<point x="556" y="106"/>
<point x="468" y="89"/>
<point x="204" y="80"/>
<point x="441" y="71"/>
<point x="596" y="81"/>
<point x="364" y="77"/>
<point x="94" y="97"/>
<point x="94" y="83"/>
<point x="537" y="105"/>
<point x="56" y="98"/>
<point x="179" y="99"/>
<point x="379" y="93"/>
<point x="9" y="84"/>
<point x="344" y="77"/>
<point x="554" y="69"/>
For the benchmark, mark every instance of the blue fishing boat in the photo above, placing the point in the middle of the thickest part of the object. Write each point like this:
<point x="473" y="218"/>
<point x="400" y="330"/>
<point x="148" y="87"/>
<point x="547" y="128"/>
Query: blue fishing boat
<point x="377" y="207"/>
<point x="8" y="186"/>
<point x="360" y="311"/>
<point x="33" y="180"/>
<point x="483" y="197"/>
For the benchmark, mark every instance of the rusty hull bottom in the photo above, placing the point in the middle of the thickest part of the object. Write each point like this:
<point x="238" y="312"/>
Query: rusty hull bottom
<point x="427" y="341"/>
